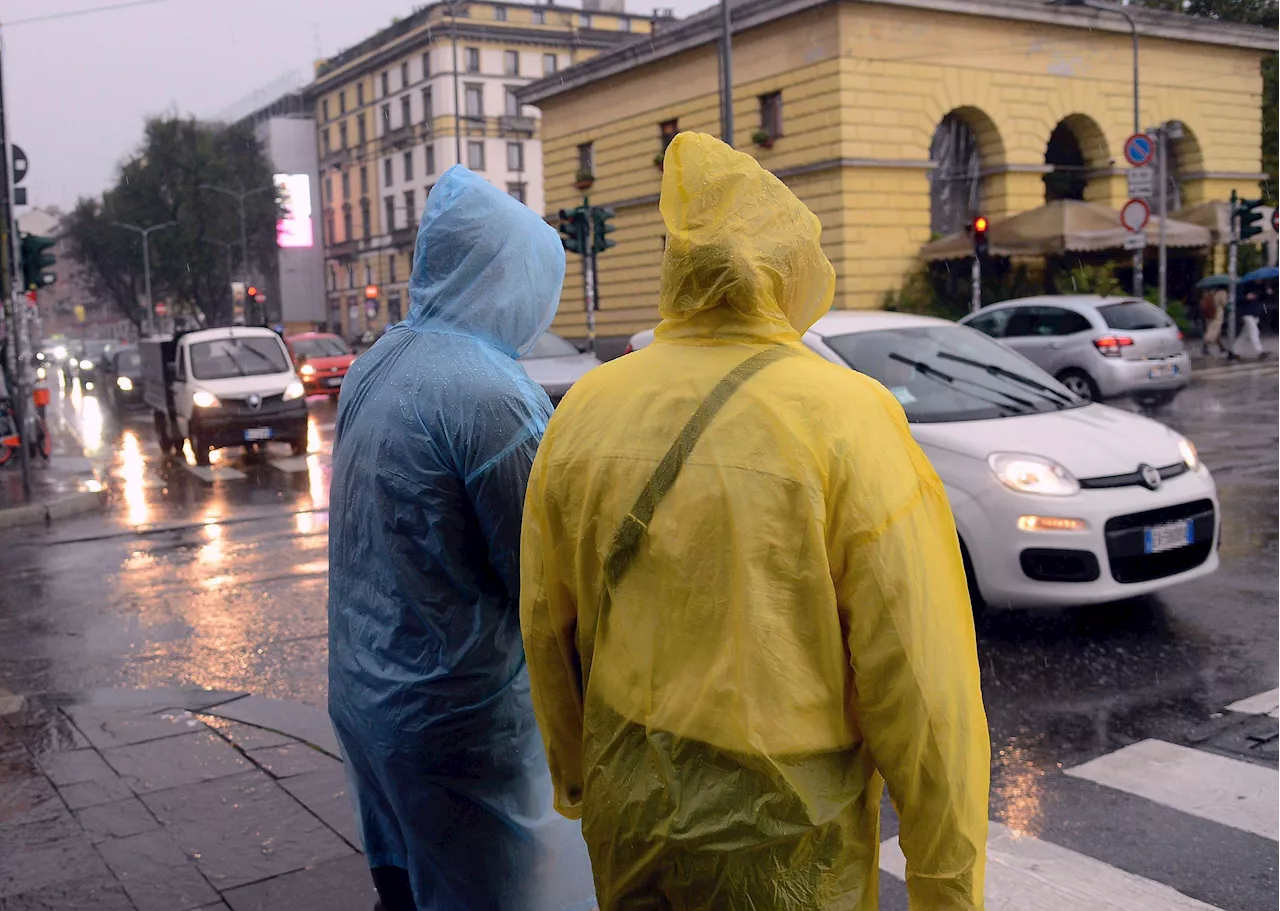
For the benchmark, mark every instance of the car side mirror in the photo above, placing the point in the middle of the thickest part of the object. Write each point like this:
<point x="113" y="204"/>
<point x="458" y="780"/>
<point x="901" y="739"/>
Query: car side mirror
<point x="302" y="359"/>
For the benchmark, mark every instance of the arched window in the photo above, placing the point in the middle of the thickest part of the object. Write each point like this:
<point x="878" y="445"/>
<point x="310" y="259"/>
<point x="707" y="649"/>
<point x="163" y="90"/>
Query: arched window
<point x="955" y="183"/>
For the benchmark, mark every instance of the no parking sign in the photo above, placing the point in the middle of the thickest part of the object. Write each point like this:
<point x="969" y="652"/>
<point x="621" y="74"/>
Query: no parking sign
<point x="1139" y="149"/>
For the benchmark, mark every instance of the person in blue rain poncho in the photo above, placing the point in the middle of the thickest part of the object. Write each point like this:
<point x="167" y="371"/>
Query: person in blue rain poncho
<point x="428" y="691"/>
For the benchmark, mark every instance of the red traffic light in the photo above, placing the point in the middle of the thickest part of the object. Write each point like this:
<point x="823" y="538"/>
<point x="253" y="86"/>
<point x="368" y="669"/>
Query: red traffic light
<point x="370" y="292"/>
<point x="980" y="224"/>
<point x="251" y="291"/>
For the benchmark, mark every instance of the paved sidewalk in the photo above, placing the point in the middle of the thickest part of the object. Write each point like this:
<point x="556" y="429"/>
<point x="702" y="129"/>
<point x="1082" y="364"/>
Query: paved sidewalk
<point x="68" y="484"/>
<point x="1201" y="361"/>
<point x="174" y="800"/>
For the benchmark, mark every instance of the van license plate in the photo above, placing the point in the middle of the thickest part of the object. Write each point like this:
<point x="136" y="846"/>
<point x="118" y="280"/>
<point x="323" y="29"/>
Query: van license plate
<point x="1159" y="538"/>
<point x="1162" y="372"/>
<point x="257" y="434"/>
<point x="333" y="381"/>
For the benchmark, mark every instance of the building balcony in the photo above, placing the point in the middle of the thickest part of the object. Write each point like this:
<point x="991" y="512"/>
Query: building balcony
<point x="512" y="123"/>
<point x="402" y="238"/>
<point x="399" y="138"/>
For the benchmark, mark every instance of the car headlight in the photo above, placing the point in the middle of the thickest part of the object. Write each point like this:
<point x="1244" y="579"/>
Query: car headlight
<point x="294" y="391"/>
<point x="1032" y="474"/>
<point x="307" y="370"/>
<point x="86" y="365"/>
<point x="1189" y="454"/>
<point x="39" y="355"/>
<point x="59" y="352"/>
<point x="202" y="399"/>
<point x="124" y="384"/>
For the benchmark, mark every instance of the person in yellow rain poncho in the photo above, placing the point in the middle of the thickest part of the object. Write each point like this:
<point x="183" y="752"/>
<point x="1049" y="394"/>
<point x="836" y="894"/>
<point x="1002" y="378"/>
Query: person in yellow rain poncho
<point x="742" y="597"/>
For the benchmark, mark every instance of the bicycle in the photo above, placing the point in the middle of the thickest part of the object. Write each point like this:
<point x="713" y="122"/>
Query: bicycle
<point x="10" y="431"/>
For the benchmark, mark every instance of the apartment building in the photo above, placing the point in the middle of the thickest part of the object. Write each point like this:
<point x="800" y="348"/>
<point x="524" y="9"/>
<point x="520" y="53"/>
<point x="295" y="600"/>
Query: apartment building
<point x="432" y="90"/>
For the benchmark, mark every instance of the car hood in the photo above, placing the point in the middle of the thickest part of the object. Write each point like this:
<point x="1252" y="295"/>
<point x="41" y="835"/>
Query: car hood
<point x="1090" y="442"/>
<point x="238" y="387"/>
<point x="557" y="371"/>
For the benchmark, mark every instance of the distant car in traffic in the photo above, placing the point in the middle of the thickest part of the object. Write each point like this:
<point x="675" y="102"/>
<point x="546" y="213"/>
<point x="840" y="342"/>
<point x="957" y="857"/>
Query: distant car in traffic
<point x="322" y="360"/>
<point x="86" y="360"/>
<point x="1057" y="500"/>
<point x="121" y="377"/>
<point x="1098" y="347"/>
<point x="555" y="364"/>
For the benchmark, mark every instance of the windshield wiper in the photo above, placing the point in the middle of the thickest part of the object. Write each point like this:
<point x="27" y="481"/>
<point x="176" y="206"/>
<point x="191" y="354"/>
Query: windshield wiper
<point x="931" y="371"/>
<point x="997" y="370"/>
<point x="275" y="368"/>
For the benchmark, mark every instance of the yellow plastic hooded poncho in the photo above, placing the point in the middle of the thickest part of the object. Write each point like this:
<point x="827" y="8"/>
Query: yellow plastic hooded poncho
<point x="794" y="624"/>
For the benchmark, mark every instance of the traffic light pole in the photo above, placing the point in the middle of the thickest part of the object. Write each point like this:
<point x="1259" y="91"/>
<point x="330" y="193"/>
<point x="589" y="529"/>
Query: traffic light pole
<point x="589" y="278"/>
<point x="1232" y="267"/>
<point x="17" y="304"/>
<point x="975" y="304"/>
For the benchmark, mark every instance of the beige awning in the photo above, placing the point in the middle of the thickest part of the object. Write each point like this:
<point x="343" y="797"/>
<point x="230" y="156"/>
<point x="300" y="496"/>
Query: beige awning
<point x="1063" y="226"/>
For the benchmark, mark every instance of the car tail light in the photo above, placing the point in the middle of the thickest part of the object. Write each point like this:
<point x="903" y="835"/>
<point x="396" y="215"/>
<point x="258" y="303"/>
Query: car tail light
<point x="628" y="349"/>
<point x="1111" y="345"/>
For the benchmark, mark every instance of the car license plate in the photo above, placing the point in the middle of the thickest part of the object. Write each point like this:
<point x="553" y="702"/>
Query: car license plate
<point x="1159" y="538"/>
<point x="1162" y="372"/>
<point x="257" y="433"/>
<point x="333" y="381"/>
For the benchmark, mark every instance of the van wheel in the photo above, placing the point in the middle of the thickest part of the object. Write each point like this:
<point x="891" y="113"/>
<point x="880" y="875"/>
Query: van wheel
<point x="201" y="450"/>
<point x="162" y="432"/>
<point x="1080" y="384"/>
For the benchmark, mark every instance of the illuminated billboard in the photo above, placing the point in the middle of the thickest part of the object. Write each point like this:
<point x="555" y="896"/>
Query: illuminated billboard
<point x="294" y="230"/>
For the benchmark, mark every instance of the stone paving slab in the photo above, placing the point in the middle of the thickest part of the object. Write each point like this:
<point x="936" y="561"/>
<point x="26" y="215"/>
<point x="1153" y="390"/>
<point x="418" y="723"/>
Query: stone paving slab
<point x="292" y="759"/>
<point x="103" y="893"/>
<point x="106" y="728"/>
<point x="246" y="736"/>
<point x="118" y="819"/>
<point x="156" y="873"/>
<point x="301" y="722"/>
<point x="336" y="885"/>
<point x="324" y="793"/>
<point x="157" y="765"/>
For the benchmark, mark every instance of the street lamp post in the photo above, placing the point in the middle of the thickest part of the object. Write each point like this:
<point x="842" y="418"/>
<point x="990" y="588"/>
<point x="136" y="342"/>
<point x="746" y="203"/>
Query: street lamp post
<point x="240" y="196"/>
<point x="146" y="263"/>
<point x="726" y="73"/>
<point x="1138" y="287"/>
<point x="457" y="111"/>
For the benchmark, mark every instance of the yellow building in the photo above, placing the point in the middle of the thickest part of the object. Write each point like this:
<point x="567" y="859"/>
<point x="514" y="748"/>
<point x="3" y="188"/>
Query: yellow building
<point x="897" y="120"/>
<point x="387" y="126"/>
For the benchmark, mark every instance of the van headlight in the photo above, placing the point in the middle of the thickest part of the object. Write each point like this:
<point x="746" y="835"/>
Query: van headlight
<point x="124" y="384"/>
<point x="1189" y="455"/>
<point x="202" y="399"/>
<point x="1032" y="474"/>
<point x="293" y="391"/>
<point x="86" y="365"/>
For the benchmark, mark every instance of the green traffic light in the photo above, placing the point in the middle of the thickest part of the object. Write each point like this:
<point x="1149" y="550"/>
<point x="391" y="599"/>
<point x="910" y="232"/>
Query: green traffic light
<point x="1248" y="211"/>
<point x="601" y="218"/>
<point x="573" y="230"/>
<point x="35" y="262"/>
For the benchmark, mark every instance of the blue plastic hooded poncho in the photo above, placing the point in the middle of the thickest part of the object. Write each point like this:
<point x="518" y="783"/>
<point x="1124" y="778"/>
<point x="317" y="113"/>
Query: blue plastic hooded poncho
<point x="428" y="691"/>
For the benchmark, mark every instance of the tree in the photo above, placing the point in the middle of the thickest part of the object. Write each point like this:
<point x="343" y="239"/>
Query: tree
<point x="167" y="181"/>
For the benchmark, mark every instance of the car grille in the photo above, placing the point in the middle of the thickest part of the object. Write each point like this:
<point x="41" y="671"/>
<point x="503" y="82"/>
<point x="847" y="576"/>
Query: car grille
<point x="1133" y="478"/>
<point x="1047" y="564"/>
<point x="1124" y="535"/>
<point x="270" y="404"/>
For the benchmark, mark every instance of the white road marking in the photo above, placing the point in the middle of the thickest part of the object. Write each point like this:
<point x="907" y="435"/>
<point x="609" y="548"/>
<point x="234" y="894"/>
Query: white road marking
<point x="211" y="473"/>
<point x="1026" y="874"/>
<point x="1267" y="703"/>
<point x="1226" y="791"/>
<point x="292" y="464"/>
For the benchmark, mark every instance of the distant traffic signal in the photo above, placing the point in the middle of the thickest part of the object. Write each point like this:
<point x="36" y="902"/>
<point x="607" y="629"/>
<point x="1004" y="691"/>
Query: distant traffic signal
<point x="980" y="226"/>
<point x="1250" y="215"/>
<point x="601" y="217"/>
<point x="36" y="262"/>
<point x="574" y="230"/>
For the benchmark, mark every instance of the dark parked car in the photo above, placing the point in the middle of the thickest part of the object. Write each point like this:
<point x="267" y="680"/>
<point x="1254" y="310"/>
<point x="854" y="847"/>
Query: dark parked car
<point x="121" y="377"/>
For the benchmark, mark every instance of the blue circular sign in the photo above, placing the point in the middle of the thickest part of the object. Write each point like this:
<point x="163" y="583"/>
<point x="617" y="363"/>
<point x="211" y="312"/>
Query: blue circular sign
<point x="1139" y="149"/>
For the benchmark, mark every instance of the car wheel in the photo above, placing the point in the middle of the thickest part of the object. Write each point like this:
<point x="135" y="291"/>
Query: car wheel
<point x="971" y="577"/>
<point x="162" y="432"/>
<point x="1080" y="384"/>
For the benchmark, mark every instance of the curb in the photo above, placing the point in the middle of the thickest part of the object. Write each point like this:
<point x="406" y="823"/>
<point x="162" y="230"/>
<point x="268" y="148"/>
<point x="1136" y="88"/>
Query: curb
<point x="61" y="508"/>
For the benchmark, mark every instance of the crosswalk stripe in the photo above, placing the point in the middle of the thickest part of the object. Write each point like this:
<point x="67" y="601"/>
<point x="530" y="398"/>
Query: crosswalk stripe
<point x="1227" y="791"/>
<point x="211" y="473"/>
<point x="1267" y="703"/>
<point x="292" y="464"/>
<point x="1028" y="874"/>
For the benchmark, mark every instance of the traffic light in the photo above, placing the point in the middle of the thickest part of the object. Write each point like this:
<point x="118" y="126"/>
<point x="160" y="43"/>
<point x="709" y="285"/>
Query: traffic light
<point x="601" y="218"/>
<point x="1248" y="211"/>
<point x="36" y="262"/>
<point x="573" y="230"/>
<point x="980" y="226"/>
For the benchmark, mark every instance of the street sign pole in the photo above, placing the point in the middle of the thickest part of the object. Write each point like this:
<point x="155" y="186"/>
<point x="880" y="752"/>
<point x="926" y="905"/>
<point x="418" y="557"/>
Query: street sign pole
<point x="1162" y="197"/>
<point x="1232" y="265"/>
<point x="12" y="289"/>
<point x="1139" y="149"/>
<point x="589" y="277"/>
<point x="975" y="304"/>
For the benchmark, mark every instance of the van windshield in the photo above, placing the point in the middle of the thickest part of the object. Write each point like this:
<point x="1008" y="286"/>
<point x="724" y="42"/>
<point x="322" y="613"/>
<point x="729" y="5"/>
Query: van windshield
<point x="246" y="356"/>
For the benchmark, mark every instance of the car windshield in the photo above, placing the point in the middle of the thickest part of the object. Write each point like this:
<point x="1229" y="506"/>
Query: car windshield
<point x="320" y="346"/>
<point x="245" y="356"/>
<point x="1134" y="315"/>
<point x="129" y="362"/>
<point x="951" y="373"/>
<point x="551" y="345"/>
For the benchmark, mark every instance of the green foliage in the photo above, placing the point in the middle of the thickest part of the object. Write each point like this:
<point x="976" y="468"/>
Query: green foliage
<point x="162" y="183"/>
<point x="1088" y="278"/>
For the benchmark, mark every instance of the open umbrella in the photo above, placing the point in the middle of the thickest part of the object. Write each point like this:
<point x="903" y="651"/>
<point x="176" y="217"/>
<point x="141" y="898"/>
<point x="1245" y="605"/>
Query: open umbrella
<point x="1265" y="274"/>
<point x="1062" y="226"/>
<point x="1213" y="281"/>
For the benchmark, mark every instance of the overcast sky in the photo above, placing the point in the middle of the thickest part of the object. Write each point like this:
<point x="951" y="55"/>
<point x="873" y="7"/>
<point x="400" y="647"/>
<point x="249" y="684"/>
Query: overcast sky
<point x="79" y="88"/>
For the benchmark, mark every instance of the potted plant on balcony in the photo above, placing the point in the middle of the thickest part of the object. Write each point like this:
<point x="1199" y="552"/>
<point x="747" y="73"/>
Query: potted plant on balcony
<point x="659" y="159"/>
<point x="762" y="139"/>
<point x="583" y="179"/>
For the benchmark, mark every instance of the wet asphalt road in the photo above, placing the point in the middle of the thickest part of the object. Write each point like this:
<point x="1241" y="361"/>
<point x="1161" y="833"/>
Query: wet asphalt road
<point x="218" y="578"/>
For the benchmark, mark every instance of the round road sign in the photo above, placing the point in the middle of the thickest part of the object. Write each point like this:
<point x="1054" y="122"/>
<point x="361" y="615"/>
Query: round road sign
<point x="162" y="309"/>
<point x="1135" y="214"/>
<point x="1139" y="149"/>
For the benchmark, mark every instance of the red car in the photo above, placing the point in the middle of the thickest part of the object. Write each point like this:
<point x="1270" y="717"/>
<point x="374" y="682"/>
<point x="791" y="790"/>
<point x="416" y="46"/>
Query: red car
<point x="322" y="361"/>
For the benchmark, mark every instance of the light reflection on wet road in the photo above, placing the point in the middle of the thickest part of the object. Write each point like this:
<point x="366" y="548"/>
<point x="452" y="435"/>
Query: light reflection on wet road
<point x="220" y="581"/>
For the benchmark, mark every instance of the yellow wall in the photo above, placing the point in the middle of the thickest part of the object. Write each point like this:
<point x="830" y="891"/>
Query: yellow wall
<point x="864" y="87"/>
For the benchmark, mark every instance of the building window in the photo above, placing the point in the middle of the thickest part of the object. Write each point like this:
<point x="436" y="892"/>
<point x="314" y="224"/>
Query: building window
<point x="771" y="114"/>
<point x="410" y="209"/>
<point x="364" y="181"/>
<point x="328" y="190"/>
<point x="386" y="119"/>
<point x="475" y="101"/>
<point x="387" y="179"/>
<point x="511" y="63"/>
<point x="366" y="222"/>
<point x="351" y="276"/>
<point x="539" y="17"/>
<point x="392" y="278"/>
<point x="324" y="110"/>
<point x="431" y="159"/>
<point x="426" y="65"/>
<point x="359" y="94"/>
<point x="548" y="64"/>
<point x="475" y="156"/>
<point x="406" y="112"/>
<point x="333" y="277"/>
<point x="342" y="135"/>
<point x="362" y="135"/>
<point x="386" y="83"/>
<point x="408" y="165"/>
<point x="346" y="186"/>
<point x="624" y="24"/>
<point x="342" y="102"/>
<point x="390" y="204"/>
<point x="500" y="13"/>
<point x="346" y="222"/>
<point x="428" y="114"/>
<point x="368" y="274"/>
<point x="330" y="236"/>
<point x="667" y="131"/>
<point x="512" y="102"/>
<point x="324" y="141"/>
<point x="517" y="192"/>
<point x="587" y="158"/>
<point x="394" y="314"/>
<point x="515" y="156"/>
<point x="404" y="75"/>
<point x="473" y="60"/>
<point x="584" y="20"/>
